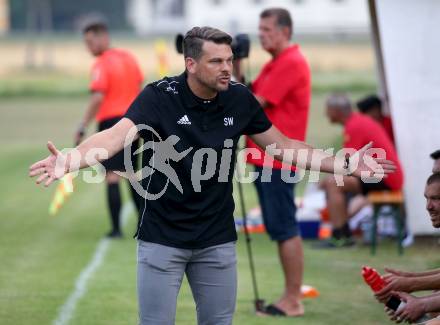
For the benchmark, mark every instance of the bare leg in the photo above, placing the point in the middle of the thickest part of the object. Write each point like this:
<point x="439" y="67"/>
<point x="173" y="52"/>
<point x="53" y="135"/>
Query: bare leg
<point x="336" y="201"/>
<point x="111" y="177"/>
<point x="292" y="261"/>
<point x="356" y="204"/>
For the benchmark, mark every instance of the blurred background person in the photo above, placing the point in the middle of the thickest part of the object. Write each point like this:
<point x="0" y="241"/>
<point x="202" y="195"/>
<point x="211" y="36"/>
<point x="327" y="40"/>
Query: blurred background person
<point x="359" y="130"/>
<point x="283" y="89"/>
<point x="436" y="156"/>
<point x="116" y="80"/>
<point x="372" y="106"/>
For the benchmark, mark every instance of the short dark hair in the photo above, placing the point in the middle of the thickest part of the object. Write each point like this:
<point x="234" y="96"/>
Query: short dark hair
<point x="95" y="27"/>
<point x="368" y="103"/>
<point x="434" y="178"/>
<point x="435" y="155"/>
<point x="282" y="15"/>
<point x="194" y="39"/>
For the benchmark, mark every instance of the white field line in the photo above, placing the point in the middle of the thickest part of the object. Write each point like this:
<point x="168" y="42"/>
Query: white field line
<point x="67" y="310"/>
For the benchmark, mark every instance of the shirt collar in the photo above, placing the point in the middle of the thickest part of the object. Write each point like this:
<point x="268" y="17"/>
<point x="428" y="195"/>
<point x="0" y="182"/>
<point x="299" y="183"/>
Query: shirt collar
<point x="187" y="95"/>
<point x="189" y="98"/>
<point x="287" y="50"/>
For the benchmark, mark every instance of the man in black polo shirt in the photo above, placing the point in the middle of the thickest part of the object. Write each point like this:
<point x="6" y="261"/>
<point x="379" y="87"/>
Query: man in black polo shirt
<point x="191" y="125"/>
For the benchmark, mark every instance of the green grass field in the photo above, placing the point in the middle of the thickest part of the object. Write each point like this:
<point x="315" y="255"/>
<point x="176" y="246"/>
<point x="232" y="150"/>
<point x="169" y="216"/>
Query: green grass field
<point x="42" y="256"/>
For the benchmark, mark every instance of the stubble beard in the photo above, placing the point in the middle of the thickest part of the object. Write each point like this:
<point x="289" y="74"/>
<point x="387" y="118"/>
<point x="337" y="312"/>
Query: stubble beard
<point x="211" y="84"/>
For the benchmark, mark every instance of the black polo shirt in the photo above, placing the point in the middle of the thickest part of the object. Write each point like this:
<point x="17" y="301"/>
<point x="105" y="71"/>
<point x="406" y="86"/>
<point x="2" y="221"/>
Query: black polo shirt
<point x="192" y="214"/>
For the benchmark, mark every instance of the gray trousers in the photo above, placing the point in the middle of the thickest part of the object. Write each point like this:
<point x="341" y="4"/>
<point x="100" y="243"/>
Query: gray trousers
<point x="211" y="273"/>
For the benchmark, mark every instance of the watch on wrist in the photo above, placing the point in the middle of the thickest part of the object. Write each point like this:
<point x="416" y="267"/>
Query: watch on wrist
<point x="347" y="165"/>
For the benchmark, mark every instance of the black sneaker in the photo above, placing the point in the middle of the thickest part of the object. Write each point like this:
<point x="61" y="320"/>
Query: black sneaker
<point x="114" y="234"/>
<point x="335" y="243"/>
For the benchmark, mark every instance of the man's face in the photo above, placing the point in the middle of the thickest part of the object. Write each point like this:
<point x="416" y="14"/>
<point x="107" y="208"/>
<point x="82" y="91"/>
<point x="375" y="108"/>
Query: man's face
<point x="432" y="195"/>
<point x="214" y="68"/>
<point x="333" y="114"/>
<point x="271" y="35"/>
<point x="375" y="113"/>
<point x="96" y="42"/>
<point x="436" y="167"/>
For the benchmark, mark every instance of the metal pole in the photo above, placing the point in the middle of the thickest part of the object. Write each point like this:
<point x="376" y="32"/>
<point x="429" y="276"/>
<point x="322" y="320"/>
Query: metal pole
<point x="258" y="303"/>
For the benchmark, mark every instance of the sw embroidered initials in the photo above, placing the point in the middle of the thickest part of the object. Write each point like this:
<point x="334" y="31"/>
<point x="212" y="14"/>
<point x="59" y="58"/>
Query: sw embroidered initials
<point x="228" y="121"/>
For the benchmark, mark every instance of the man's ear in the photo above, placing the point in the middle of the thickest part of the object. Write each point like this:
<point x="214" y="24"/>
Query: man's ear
<point x="190" y="64"/>
<point x="286" y="32"/>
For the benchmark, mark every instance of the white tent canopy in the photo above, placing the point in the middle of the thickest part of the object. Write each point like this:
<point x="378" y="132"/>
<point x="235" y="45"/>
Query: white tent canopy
<point x="408" y="51"/>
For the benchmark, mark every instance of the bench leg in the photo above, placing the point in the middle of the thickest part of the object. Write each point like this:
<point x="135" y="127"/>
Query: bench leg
<point x="374" y="230"/>
<point x="400" y="215"/>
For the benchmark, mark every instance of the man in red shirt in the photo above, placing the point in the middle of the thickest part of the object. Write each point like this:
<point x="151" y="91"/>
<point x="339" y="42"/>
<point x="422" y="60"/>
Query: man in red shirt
<point x="372" y="106"/>
<point x="359" y="130"/>
<point x="283" y="90"/>
<point x="116" y="81"/>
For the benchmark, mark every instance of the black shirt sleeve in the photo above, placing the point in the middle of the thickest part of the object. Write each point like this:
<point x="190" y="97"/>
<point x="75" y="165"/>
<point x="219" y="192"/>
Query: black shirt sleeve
<point x="144" y="109"/>
<point x="258" y="121"/>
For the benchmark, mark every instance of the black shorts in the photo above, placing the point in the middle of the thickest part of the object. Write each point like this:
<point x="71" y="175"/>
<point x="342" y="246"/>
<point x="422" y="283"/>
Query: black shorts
<point x="277" y="205"/>
<point x="116" y="163"/>
<point x="370" y="187"/>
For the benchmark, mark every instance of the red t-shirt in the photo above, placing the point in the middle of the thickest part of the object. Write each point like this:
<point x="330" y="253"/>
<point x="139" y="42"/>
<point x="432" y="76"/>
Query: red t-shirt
<point x="284" y="83"/>
<point x="117" y="75"/>
<point x="388" y="126"/>
<point x="360" y="130"/>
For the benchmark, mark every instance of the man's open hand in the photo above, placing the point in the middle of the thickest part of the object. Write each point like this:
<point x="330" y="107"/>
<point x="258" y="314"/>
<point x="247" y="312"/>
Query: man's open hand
<point x="51" y="168"/>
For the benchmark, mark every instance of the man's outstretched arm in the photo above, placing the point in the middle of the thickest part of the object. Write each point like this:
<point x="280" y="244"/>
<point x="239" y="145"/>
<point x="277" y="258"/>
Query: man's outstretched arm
<point x="408" y="284"/>
<point x="108" y="143"/>
<point x="306" y="157"/>
<point x="391" y="272"/>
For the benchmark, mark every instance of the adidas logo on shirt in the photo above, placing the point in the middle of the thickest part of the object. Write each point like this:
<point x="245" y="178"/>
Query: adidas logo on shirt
<point x="184" y="120"/>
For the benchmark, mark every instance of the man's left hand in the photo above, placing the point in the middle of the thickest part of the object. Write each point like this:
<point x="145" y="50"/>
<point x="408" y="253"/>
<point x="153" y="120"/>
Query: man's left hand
<point x="369" y="167"/>
<point x="412" y="311"/>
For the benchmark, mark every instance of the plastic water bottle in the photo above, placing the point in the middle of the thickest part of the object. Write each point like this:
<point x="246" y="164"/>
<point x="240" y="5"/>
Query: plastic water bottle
<point x="376" y="283"/>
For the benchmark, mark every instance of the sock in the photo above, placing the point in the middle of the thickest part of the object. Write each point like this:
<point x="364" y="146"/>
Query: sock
<point x="346" y="232"/>
<point x="342" y="232"/>
<point x="337" y="233"/>
<point x="114" y="204"/>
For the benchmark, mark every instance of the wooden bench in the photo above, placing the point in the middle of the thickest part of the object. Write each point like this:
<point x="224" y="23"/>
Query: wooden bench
<point x="394" y="199"/>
